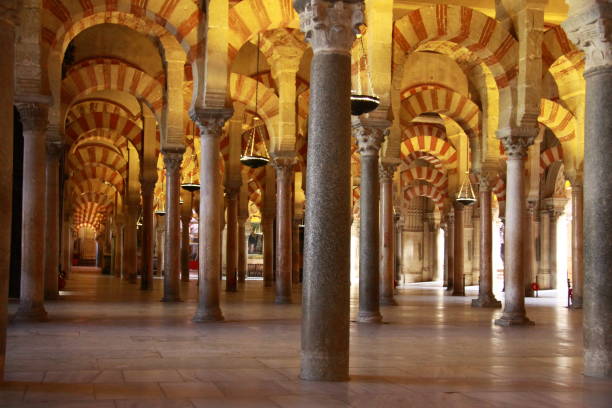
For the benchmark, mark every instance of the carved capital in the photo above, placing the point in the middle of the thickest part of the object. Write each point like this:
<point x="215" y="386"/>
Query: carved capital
<point x="330" y="26"/>
<point x="590" y="29"/>
<point x="386" y="172"/>
<point x="486" y="180"/>
<point x="283" y="162"/>
<point x="33" y="116"/>
<point x="517" y="140"/>
<point x="172" y="161"/>
<point x="369" y="139"/>
<point x="210" y="121"/>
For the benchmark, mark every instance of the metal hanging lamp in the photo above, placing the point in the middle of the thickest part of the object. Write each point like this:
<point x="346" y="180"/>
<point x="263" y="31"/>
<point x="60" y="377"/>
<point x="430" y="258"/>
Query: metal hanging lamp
<point x="361" y="104"/>
<point x="466" y="194"/>
<point x="191" y="186"/>
<point x="250" y="157"/>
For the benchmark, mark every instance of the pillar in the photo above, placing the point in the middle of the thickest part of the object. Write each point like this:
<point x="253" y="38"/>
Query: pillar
<point x="210" y="122"/>
<point x="146" y="281"/>
<point x="516" y="142"/>
<point x="458" y="283"/>
<point x="8" y="19"/>
<point x="589" y="26"/>
<point x="486" y="298"/>
<point x="450" y="255"/>
<point x="369" y="139"/>
<point x="330" y="28"/>
<point x="172" y="261"/>
<point x="267" y="226"/>
<point x="554" y="216"/>
<point x="475" y="246"/>
<point x="544" y="268"/>
<point x="185" y="248"/>
<point x="387" y="263"/>
<point x="34" y="120"/>
<point x="242" y="249"/>
<point x="283" y="164"/>
<point x="160" y="233"/>
<point x="52" y="230"/>
<point x="130" y="257"/>
<point x="529" y="249"/>
<point x="117" y="267"/>
<point x="577" y="246"/>
<point x="295" y="253"/>
<point x="397" y="264"/>
<point x="231" y="253"/>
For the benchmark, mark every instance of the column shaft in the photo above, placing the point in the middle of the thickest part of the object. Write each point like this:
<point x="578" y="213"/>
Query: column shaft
<point x="242" y="250"/>
<point x="172" y="267"/>
<point x="544" y="267"/>
<point x="295" y="253"/>
<point x="284" y="176"/>
<point x="34" y="119"/>
<point x="450" y="257"/>
<point x="387" y="264"/>
<point x="130" y="258"/>
<point x="267" y="224"/>
<point x="52" y="238"/>
<point x="458" y="283"/>
<point x="146" y="281"/>
<point x="231" y="253"/>
<point x="577" y="246"/>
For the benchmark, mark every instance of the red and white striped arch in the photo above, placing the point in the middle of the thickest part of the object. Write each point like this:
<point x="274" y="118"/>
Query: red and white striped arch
<point x="113" y="122"/>
<point x="426" y="190"/>
<point x="429" y="174"/>
<point x="103" y="174"/>
<point x="421" y="146"/>
<point x="549" y="156"/>
<point x="88" y="155"/>
<point x="558" y="119"/>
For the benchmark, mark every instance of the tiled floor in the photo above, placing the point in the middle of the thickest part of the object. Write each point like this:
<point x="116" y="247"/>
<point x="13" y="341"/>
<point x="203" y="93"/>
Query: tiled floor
<point x="110" y="345"/>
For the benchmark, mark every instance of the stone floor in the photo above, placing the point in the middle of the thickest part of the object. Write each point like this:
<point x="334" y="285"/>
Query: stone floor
<point x="108" y="344"/>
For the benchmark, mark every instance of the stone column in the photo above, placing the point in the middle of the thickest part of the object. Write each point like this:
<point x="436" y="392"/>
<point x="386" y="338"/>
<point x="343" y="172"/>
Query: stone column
<point x="172" y="260"/>
<point x="267" y="226"/>
<point x="544" y="267"/>
<point x="283" y="164"/>
<point x="185" y="248"/>
<point x="589" y="26"/>
<point x="295" y="253"/>
<point x="387" y="263"/>
<point x="369" y="139"/>
<point x="475" y="246"/>
<point x="458" y="285"/>
<point x="231" y="253"/>
<point x="554" y="216"/>
<point x="330" y="28"/>
<point x="210" y="122"/>
<point x="577" y="246"/>
<point x="516" y="142"/>
<point x="8" y="20"/>
<point x="52" y="232"/>
<point x="160" y="233"/>
<point x="486" y="298"/>
<point x="34" y="120"/>
<point x="397" y="263"/>
<point x="242" y="249"/>
<point x="529" y="249"/>
<point x="450" y="257"/>
<point x="147" y="187"/>
<point x="117" y="272"/>
<point x="130" y="257"/>
<point x="426" y="266"/>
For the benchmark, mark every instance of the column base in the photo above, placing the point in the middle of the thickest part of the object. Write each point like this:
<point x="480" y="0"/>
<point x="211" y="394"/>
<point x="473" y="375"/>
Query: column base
<point x="208" y="316"/>
<point x="52" y="296"/>
<point x="487" y="301"/>
<point x="513" y="320"/>
<point x="320" y="366"/>
<point x="231" y="289"/>
<point x="171" y="298"/>
<point x="144" y="285"/>
<point x="597" y="362"/>
<point x="577" y="302"/>
<point x="456" y="292"/>
<point x="369" y="317"/>
<point x="388" y="301"/>
<point x="30" y="313"/>
<point x="185" y="279"/>
<point x="283" y="300"/>
<point x="529" y="292"/>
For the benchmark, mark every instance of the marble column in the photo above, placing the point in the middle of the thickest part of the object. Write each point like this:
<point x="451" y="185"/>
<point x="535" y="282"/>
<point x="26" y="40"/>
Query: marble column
<point x="242" y="249"/>
<point x="52" y="230"/>
<point x="529" y="249"/>
<point x="147" y="187"/>
<point x="210" y="122"/>
<point x="267" y="226"/>
<point x="231" y="252"/>
<point x="554" y="216"/>
<point x="283" y="164"/>
<point x="475" y="246"/>
<point x="426" y="236"/>
<point x="397" y="250"/>
<point x="516" y="143"/>
<point x="330" y="28"/>
<point x="185" y="248"/>
<point x="34" y="120"/>
<point x="295" y="252"/>
<point x="117" y="267"/>
<point x="450" y="256"/>
<point x="369" y="139"/>
<point x="458" y="282"/>
<point x="8" y="20"/>
<point x="544" y="268"/>
<point x="486" y="298"/>
<point x="172" y="253"/>
<point x="160" y="233"/>
<point x="387" y="262"/>
<point x="130" y="256"/>
<point x="589" y="26"/>
<point x="577" y="246"/>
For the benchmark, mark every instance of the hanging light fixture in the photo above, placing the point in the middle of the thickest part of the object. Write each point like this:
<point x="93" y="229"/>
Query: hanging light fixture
<point x="191" y="186"/>
<point x="161" y="210"/>
<point x="250" y="157"/>
<point x="361" y="104"/>
<point x="466" y="194"/>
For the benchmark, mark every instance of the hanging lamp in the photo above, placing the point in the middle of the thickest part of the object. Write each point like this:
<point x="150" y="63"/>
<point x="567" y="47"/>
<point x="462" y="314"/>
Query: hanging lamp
<point x="466" y="194"/>
<point x="161" y="210"/>
<point x="361" y="104"/>
<point x="250" y="157"/>
<point x="191" y="186"/>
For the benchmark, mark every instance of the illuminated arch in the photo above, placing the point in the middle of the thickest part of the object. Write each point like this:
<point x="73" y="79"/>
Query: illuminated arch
<point x="429" y="174"/>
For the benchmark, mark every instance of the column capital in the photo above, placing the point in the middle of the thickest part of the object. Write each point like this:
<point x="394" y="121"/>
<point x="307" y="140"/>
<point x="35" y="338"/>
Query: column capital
<point x="210" y="121"/>
<point x="33" y="115"/>
<point x="282" y="161"/>
<point x="589" y="27"/>
<point x="517" y="140"/>
<point x="386" y="171"/>
<point x="8" y="12"/>
<point x="172" y="160"/>
<point x="369" y="138"/>
<point x="330" y="26"/>
<point x="54" y="150"/>
<point x="486" y="179"/>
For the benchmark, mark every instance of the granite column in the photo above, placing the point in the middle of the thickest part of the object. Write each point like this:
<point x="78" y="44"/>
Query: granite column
<point x="458" y="280"/>
<point x="283" y="165"/>
<point x="387" y="263"/>
<point x="52" y="230"/>
<point x="172" y="259"/>
<point x="577" y="247"/>
<point x="146" y="280"/>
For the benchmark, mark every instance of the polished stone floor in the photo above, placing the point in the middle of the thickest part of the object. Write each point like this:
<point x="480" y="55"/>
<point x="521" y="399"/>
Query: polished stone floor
<point x="107" y="344"/>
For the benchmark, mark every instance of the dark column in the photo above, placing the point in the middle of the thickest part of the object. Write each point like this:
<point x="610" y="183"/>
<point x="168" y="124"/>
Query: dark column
<point x="242" y="249"/>
<point x="577" y="246"/>
<point x="283" y="164"/>
<point x="52" y="231"/>
<point x="387" y="263"/>
<point x="146" y="281"/>
<point x="458" y="286"/>
<point x="172" y="267"/>
<point x="231" y="253"/>
<point x="267" y="226"/>
<point x="330" y="28"/>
